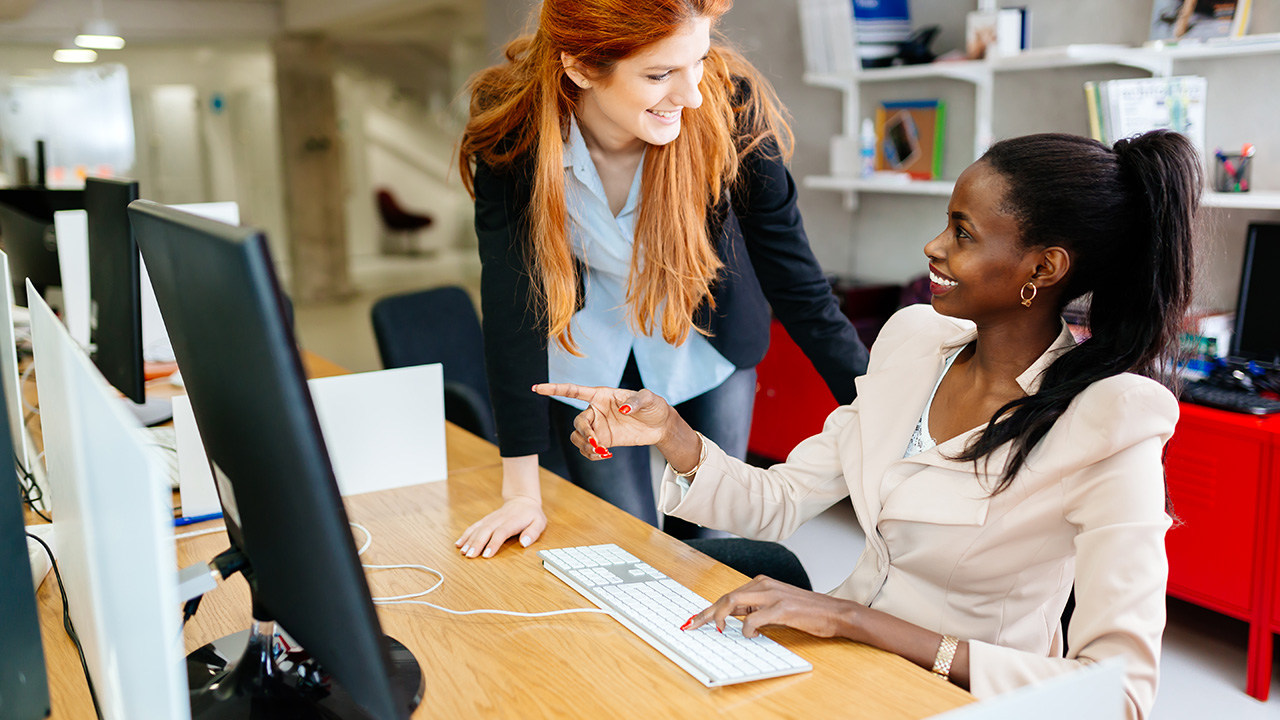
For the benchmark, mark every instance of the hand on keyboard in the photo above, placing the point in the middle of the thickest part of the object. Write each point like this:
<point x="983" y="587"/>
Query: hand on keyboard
<point x="765" y="601"/>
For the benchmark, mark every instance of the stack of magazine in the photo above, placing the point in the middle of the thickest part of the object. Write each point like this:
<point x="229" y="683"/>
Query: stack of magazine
<point x="1124" y="108"/>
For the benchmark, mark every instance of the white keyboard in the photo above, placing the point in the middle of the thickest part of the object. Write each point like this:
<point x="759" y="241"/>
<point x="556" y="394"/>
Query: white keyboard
<point x="165" y="442"/>
<point x="653" y="606"/>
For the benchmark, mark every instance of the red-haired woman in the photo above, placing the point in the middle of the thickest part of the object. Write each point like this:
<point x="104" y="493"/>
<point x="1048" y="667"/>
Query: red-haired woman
<point x="636" y="223"/>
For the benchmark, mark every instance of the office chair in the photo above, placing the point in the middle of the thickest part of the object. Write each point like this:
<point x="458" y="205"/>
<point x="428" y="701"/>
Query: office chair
<point x="441" y="326"/>
<point x="400" y="227"/>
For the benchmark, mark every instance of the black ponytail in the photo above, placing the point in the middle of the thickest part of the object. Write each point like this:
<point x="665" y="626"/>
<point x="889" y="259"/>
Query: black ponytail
<point x="1127" y="217"/>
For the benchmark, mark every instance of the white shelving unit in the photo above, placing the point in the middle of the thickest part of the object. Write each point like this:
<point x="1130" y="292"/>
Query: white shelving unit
<point x="1159" y="61"/>
<point x="1264" y="200"/>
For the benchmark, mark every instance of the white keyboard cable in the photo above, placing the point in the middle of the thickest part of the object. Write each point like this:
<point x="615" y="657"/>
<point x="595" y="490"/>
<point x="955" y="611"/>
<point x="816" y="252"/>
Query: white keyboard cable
<point x="406" y="599"/>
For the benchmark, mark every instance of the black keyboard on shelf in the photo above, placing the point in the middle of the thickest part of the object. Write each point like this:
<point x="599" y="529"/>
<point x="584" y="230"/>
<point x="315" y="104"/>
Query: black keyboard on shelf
<point x="1241" y="401"/>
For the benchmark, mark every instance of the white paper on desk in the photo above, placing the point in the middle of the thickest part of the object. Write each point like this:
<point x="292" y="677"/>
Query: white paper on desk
<point x="384" y="429"/>
<point x="72" y="228"/>
<point x="195" y="480"/>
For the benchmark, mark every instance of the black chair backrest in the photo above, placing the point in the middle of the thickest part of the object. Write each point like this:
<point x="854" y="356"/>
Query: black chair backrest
<point x="437" y="326"/>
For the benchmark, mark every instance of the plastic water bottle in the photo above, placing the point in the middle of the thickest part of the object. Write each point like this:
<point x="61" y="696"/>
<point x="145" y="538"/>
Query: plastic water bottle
<point x="868" y="142"/>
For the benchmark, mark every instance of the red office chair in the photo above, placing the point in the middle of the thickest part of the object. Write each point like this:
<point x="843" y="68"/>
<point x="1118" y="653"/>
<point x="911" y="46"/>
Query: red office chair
<point x="400" y="227"/>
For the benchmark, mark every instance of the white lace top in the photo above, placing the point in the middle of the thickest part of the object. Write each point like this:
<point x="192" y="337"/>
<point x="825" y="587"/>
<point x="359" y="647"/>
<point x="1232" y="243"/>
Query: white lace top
<point x="920" y="439"/>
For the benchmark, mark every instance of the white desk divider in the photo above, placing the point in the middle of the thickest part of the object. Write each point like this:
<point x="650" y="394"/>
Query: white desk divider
<point x="72" y="228"/>
<point x="383" y="430"/>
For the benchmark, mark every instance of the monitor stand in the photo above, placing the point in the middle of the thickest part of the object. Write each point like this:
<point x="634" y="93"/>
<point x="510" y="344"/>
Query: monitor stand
<point x="152" y="412"/>
<point x="256" y="685"/>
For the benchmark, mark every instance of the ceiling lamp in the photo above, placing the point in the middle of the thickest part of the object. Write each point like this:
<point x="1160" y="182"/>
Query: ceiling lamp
<point x="74" y="55"/>
<point x="100" y="34"/>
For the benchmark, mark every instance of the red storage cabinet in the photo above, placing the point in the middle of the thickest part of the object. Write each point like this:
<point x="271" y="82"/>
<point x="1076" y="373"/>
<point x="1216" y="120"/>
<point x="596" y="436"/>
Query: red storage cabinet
<point x="1214" y="475"/>
<point x="1223" y="471"/>
<point x="792" y="400"/>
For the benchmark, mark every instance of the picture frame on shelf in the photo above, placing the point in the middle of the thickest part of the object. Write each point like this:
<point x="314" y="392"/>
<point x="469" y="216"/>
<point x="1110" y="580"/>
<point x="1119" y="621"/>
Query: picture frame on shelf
<point x="910" y="136"/>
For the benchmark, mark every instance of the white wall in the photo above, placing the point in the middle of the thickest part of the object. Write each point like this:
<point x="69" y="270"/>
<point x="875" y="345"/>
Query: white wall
<point x="396" y="142"/>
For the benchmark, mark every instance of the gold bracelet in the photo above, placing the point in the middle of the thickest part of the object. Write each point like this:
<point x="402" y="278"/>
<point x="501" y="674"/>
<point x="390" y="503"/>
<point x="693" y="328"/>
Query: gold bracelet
<point x="946" y="653"/>
<point x="702" y="457"/>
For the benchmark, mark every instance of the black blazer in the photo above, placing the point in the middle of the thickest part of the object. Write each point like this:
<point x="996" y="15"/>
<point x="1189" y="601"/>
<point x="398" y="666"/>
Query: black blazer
<point x="760" y="239"/>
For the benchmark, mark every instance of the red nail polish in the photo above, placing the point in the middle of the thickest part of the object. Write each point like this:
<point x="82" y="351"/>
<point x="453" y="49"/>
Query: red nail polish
<point x="593" y="442"/>
<point x="599" y="450"/>
<point x="606" y="454"/>
<point x="720" y="630"/>
<point x="625" y="409"/>
<point x="686" y="624"/>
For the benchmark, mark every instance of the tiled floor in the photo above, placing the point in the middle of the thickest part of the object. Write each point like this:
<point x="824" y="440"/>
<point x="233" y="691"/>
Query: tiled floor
<point x="1203" y="665"/>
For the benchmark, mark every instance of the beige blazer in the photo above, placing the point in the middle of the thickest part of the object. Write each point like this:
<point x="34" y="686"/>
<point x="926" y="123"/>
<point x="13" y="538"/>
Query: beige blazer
<point x="1088" y="509"/>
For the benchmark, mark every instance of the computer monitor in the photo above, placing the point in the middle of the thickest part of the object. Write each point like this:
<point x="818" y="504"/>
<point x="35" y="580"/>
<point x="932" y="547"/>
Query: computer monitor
<point x="226" y="316"/>
<point x="27" y="234"/>
<point x="115" y="295"/>
<point x="24" y="688"/>
<point x="1257" y="331"/>
<point x="113" y="525"/>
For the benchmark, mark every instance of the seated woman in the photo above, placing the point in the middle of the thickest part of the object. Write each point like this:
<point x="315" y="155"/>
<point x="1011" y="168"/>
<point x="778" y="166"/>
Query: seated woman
<point x="992" y="461"/>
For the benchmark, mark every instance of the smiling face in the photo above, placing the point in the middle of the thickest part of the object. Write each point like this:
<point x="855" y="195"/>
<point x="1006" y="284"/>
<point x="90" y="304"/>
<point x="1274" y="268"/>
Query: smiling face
<point x="643" y="97"/>
<point x="978" y="264"/>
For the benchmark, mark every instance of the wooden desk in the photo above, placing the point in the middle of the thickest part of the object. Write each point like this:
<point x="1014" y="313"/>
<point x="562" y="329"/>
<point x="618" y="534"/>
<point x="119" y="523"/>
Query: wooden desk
<point x="563" y="666"/>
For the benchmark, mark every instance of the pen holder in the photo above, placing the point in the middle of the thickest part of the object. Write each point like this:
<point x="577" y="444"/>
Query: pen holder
<point x="1231" y="172"/>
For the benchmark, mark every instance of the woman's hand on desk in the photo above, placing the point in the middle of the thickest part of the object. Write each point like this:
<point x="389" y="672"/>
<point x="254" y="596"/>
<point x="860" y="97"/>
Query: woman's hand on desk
<point x="521" y="512"/>
<point x="617" y="417"/>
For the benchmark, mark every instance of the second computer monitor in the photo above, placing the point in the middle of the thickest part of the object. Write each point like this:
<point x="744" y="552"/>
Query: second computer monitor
<point x="27" y="234"/>
<point x="115" y="308"/>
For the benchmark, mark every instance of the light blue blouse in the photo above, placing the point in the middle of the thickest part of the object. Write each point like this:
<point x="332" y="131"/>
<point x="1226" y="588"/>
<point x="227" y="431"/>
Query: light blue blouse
<point x="602" y="328"/>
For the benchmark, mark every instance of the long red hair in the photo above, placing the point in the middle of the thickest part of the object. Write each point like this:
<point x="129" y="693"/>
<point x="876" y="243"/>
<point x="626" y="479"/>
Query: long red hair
<point x="522" y="107"/>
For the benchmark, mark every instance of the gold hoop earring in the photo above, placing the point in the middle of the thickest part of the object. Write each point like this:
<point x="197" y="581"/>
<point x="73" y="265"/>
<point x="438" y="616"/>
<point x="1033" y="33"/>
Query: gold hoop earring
<point x="1022" y="293"/>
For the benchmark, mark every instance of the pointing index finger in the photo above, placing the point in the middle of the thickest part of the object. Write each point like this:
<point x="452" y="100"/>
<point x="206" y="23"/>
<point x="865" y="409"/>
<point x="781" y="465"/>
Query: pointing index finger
<point x="567" y="390"/>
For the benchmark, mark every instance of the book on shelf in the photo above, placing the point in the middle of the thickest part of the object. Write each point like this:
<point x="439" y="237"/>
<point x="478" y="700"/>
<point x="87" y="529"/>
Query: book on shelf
<point x="827" y="36"/>
<point x="1124" y="108"/>
<point x="910" y="137"/>
<point x="1177" y="20"/>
